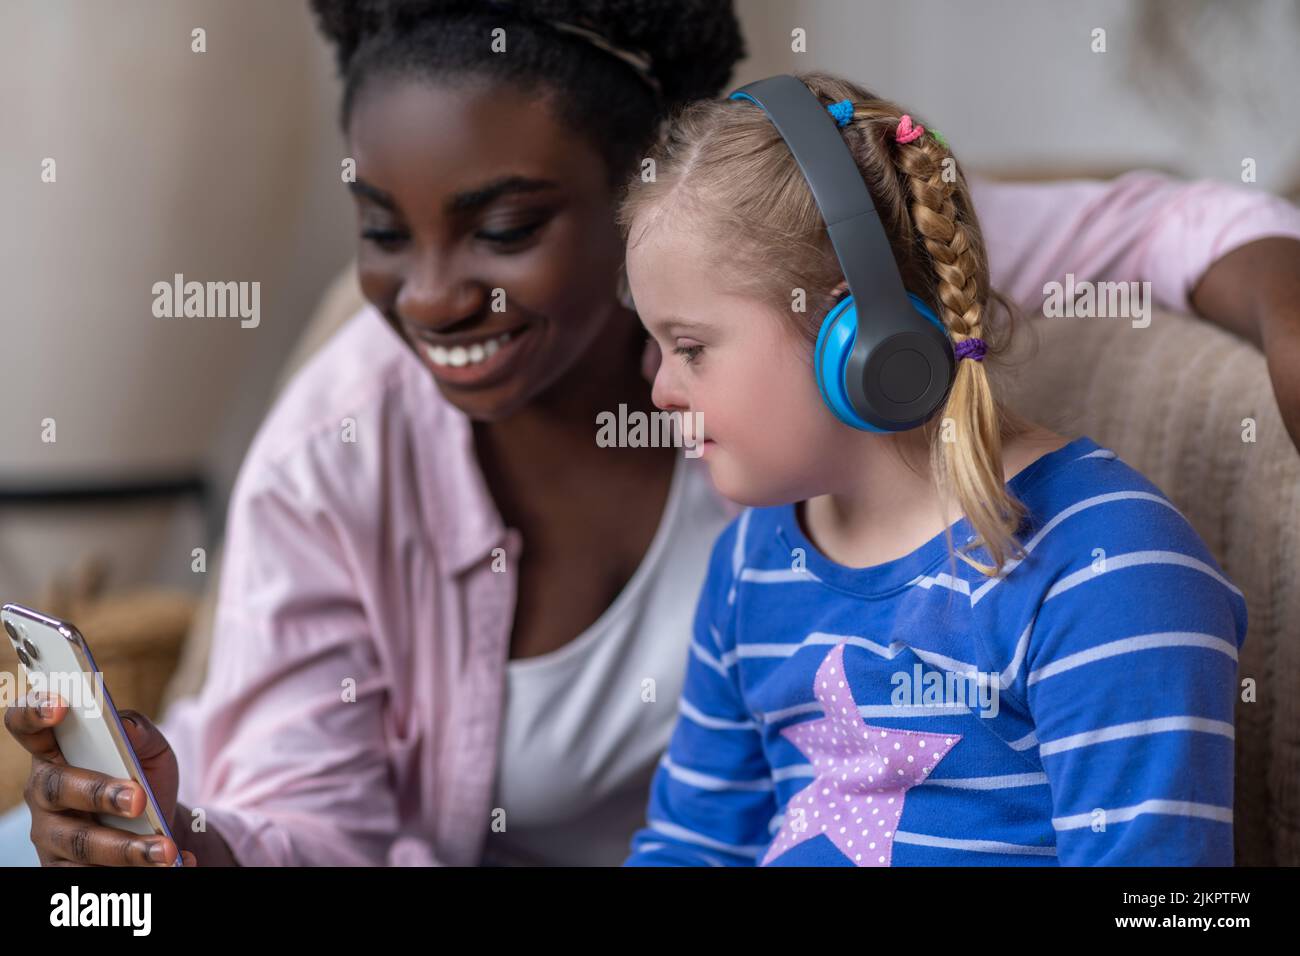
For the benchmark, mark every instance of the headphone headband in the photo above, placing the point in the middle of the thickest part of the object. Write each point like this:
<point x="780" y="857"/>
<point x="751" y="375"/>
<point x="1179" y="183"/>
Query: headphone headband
<point x="894" y="375"/>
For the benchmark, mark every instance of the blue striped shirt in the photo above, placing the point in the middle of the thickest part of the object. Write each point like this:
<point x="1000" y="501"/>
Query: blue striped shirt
<point x="1075" y="710"/>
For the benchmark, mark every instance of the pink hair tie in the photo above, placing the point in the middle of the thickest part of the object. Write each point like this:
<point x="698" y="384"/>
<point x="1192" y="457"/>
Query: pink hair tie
<point x="907" y="132"/>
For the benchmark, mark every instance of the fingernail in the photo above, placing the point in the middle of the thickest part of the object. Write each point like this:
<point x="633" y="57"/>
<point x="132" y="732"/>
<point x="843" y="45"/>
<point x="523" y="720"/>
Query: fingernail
<point x="123" y="799"/>
<point x="130" y="720"/>
<point x="157" y="853"/>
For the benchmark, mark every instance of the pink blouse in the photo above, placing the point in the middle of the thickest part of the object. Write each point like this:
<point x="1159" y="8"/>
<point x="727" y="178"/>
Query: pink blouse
<point x="352" y="707"/>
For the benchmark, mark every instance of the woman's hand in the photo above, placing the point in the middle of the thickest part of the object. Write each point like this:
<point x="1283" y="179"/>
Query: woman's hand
<point x="63" y="798"/>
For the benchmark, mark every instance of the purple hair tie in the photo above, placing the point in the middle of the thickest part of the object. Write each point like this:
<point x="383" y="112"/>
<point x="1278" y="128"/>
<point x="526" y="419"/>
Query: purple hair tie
<point x="970" y="348"/>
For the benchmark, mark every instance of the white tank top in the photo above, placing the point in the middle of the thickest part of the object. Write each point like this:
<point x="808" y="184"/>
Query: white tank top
<point x="581" y="737"/>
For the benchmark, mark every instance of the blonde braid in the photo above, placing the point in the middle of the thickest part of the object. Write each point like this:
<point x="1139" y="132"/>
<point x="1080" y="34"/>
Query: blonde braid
<point x="963" y="285"/>
<point x="970" y="467"/>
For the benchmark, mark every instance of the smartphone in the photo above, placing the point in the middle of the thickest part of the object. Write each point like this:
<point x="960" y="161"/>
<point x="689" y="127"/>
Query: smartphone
<point x="56" y="658"/>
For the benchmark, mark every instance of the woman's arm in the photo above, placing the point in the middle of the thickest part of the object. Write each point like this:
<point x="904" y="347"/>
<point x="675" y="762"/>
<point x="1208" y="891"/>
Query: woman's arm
<point x="1227" y="252"/>
<point x="1254" y="291"/>
<point x="282" y="755"/>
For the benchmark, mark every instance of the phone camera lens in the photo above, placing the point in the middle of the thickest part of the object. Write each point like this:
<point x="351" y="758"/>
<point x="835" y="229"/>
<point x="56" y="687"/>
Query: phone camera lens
<point x="22" y="656"/>
<point x="13" y="635"/>
<point x="31" y="650"/>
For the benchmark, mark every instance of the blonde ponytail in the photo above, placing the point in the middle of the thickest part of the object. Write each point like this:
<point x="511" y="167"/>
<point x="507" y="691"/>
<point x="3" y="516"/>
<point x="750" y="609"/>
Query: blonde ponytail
<point x="966" y="450"/>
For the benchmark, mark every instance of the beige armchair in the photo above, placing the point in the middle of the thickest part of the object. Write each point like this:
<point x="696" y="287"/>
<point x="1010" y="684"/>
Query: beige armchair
<point x="1170" y="400"/>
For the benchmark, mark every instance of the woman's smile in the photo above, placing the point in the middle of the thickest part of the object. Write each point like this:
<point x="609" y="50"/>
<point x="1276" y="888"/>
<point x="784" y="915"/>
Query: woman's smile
<point x="473" y="361"/>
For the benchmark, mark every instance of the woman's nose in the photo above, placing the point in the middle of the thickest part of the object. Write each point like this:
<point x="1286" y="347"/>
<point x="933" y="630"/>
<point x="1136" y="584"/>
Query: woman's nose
<point x="432" y="297"/>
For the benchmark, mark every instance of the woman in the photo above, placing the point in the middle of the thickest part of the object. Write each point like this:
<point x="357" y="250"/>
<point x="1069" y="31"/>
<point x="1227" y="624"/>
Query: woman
<point x="450" y="627"/>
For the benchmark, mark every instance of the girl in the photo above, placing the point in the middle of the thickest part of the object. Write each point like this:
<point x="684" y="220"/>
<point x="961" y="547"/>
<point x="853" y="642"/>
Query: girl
<point x="854" y="694"/>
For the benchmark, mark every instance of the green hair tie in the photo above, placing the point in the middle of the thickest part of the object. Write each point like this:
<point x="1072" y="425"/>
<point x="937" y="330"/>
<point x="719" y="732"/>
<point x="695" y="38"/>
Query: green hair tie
<point x="939" y="139"/>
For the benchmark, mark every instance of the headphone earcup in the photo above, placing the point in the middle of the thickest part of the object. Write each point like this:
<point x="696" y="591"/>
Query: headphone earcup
<point x="830" y="357"/>
<point x="835" y="342"/>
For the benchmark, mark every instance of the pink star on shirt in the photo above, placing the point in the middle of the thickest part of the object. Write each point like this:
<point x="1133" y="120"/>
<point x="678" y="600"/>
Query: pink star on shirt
<point x="862" y="774"/>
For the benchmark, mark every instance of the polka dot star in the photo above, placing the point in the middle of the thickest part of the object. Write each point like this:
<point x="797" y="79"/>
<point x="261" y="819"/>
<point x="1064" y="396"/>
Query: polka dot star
<point x="862" y="777"/>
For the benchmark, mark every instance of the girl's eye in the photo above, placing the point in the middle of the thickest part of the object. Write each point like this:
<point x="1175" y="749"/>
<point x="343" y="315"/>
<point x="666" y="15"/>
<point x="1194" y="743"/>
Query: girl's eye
<point x="386" y="239"/>
<point x="510" y="236"/>
<point x="689" y="352"/>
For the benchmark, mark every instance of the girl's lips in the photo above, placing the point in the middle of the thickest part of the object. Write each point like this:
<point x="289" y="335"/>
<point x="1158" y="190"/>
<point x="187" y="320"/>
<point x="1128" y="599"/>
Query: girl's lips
<point x="478" y="365"/>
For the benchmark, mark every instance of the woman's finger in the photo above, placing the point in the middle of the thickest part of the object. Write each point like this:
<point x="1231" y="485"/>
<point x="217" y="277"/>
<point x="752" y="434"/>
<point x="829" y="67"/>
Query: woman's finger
<point x="30" y="724"/>
<point x="82" y="841"/>
<point x="55" y="786"/>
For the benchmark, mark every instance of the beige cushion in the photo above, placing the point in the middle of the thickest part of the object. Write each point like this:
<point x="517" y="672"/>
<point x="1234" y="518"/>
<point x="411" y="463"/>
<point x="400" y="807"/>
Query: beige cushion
<point x="1169" y="400"/>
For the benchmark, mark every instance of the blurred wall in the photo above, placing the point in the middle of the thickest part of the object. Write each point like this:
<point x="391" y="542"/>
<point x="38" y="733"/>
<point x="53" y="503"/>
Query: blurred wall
<point x="221" y="165"/>
<point x="1190" y="86"/>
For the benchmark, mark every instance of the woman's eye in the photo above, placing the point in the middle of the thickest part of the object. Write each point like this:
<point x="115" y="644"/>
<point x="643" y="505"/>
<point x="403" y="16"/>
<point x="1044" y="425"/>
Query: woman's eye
<point x="689" y="352"/>
<point x="386" y="239"/>
<point x="509" y="236"/>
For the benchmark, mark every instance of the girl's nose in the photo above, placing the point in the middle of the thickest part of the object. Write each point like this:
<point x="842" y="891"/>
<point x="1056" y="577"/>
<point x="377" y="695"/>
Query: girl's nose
<point x="667" y="392"/>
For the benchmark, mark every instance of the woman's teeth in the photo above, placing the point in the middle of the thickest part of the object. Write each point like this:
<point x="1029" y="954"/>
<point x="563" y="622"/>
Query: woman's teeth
<point x="459" y="355"/>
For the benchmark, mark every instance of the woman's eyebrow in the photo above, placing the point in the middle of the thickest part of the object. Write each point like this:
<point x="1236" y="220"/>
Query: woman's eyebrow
<point x="480" y="196"/>
<point x="374" y="194"/>
<point x="467" y="200"/>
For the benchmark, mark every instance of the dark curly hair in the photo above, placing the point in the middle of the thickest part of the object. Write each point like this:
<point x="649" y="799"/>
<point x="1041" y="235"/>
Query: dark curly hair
<point x="693" y="46"/>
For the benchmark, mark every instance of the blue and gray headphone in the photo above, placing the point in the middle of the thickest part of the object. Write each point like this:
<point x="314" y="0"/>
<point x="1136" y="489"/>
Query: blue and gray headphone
<point x="887" y="367"/>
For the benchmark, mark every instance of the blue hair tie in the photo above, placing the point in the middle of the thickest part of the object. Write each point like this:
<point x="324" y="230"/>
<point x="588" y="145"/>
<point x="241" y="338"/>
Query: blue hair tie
<point x="842" y="111"/>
